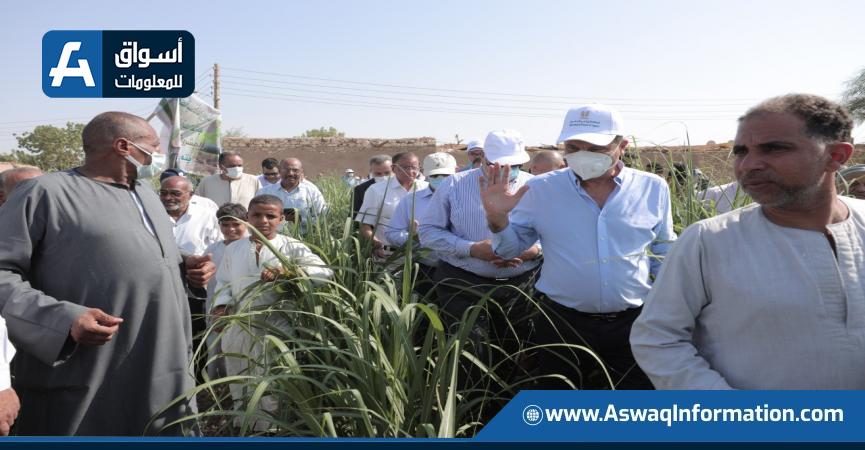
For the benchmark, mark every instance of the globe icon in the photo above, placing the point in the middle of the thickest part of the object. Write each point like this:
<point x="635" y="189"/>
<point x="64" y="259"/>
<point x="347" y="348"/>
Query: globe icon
<point x="532" y="415"/>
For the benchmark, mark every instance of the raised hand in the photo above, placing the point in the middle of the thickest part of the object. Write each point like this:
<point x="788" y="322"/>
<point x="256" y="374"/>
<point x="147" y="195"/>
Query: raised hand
<point x="498" y="201"/>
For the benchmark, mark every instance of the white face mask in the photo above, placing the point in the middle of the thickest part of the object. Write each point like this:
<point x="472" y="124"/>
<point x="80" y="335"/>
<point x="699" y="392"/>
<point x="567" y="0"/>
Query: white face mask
<point x="234" y="172"/>
<point x="381" y="179"/>
<point x="589" y="165"/>
<point x="158" y="161"/>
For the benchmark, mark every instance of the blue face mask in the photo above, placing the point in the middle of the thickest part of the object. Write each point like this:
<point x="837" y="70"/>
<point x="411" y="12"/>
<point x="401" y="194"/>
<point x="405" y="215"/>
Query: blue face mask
<point x="435" y="182"/>
<point x="515" y="172"/>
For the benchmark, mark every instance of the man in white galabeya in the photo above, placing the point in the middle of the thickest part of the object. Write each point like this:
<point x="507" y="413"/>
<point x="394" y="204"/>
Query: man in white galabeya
<point x="230" y="184"/>
<point x="772" y="295"/>
<point x="603" y="227"/>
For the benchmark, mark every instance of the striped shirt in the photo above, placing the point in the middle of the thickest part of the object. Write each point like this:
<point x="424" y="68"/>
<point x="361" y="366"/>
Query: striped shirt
<point x="455" y="219"/>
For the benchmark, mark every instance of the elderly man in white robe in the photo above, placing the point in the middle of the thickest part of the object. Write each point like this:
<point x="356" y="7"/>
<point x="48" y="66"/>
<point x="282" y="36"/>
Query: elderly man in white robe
<point x="772" y="295"/>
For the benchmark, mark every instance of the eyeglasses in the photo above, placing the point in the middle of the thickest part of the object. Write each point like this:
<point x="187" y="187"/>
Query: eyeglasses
<point x="409" y="168"/>
<point x="164" y="193"/>
<point x="271" y="175"/>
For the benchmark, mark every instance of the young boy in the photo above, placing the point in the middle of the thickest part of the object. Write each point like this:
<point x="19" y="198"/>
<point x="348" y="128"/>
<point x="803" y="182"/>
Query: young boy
<point x="247" y="261"/>
<point x="230" y="217"/>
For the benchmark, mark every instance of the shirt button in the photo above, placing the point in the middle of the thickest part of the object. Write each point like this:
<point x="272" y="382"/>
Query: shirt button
<point x="606" y="284"/>
<point x="604" y="261"/>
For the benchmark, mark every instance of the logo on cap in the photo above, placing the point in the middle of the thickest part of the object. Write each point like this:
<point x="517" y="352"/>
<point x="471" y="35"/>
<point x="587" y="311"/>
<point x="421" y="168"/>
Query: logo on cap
<point x="584" y="114"/>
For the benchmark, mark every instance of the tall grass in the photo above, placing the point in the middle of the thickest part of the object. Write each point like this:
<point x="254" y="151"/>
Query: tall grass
<point x="361" y="355"/>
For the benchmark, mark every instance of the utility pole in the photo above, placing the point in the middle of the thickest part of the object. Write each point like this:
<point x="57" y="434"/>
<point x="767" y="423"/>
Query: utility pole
<point x="216" y="86"/>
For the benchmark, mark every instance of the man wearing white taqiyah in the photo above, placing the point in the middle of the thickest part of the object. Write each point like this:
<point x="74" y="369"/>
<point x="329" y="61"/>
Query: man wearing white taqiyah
<point x="772" y="295"/>
<point x="230" y="184"/>
<point x="600" y="225"/>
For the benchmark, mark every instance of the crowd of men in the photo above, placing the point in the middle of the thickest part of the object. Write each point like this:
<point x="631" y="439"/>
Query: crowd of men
<point x="100" y="277"/>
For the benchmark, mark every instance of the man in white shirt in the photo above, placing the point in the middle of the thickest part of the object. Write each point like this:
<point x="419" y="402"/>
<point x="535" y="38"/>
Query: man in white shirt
<point x="230" y="184"/>
<point x="381" y="199"/>
<point x="769" y="296"/>
<point x="297" y="194"/>
<point x="195" y="228"/>
<point x="193" y="217"/>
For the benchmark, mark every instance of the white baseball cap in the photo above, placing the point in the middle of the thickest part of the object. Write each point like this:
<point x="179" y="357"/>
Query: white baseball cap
<point x="505" y="147"/>
<point x="596" y="124"/>
<point x="439" y="163"/>
<point x="474" y="143"/>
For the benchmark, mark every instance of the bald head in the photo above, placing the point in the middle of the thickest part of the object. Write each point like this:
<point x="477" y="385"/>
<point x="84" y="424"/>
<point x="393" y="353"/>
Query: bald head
<point x="291" y="171"/>
<point x="101" y="132"/>
<point x="545" y="161"/>
<point x="175" y="194"/>
<point x="12" y="177"/>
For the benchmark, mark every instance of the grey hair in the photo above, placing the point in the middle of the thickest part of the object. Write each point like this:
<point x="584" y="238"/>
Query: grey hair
<point x="379" y="159"/>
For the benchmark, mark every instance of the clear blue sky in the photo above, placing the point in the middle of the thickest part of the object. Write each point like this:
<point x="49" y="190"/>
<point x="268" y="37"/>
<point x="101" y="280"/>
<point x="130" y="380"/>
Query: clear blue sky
<point x="667" y="65"/>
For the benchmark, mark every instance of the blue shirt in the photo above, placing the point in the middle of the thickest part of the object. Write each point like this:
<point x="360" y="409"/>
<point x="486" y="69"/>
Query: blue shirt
<point x="596" y="260"/>
<point x="397" y="232"/>
<point x="455" y="219"/>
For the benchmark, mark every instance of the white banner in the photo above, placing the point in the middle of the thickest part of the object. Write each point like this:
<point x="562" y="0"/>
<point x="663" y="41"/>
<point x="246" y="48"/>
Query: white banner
<point x="191" y="133"/>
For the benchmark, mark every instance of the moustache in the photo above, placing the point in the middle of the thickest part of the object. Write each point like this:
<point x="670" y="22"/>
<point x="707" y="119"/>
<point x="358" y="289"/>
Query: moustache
<point x="755" y="177"/>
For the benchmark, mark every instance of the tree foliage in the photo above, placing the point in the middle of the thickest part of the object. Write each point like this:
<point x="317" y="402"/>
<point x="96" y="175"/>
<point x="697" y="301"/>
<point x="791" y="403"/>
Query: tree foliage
<point x="235" y="132"/>
<point x="50" y="148"/>
<point x="854" y="97"/>
<point x="322" y="132"/>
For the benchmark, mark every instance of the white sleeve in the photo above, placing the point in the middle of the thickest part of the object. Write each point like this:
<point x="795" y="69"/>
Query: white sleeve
<point x="311" y="263"/>
<point x="662" y="337"/>
<point x="369" y="209"/>
<point x="222" y="291"/>
<point x="7" y="352"/>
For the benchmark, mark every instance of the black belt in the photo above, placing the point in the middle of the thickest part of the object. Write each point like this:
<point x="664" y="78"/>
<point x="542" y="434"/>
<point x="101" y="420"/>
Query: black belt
<point x="609" y="317"/>
<point x="523" y="277"/>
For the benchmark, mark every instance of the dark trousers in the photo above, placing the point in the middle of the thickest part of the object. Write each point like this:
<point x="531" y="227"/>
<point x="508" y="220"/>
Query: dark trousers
<point x="457" y="290"/>
<point x="502" y="327"/>
<point x="607" y="336"/>
<point x="424" y="283"/>
<point x="199" y="325"/>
